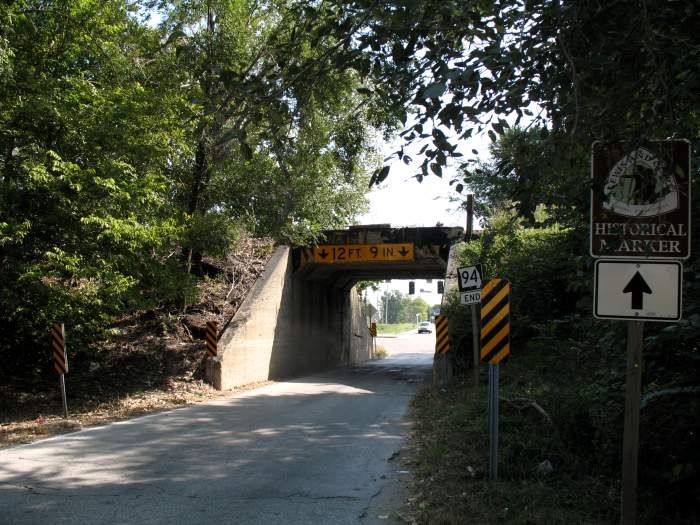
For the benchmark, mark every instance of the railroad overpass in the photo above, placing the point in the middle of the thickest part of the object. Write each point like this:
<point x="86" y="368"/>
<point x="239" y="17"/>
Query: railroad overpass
<point x="303" y="314"/>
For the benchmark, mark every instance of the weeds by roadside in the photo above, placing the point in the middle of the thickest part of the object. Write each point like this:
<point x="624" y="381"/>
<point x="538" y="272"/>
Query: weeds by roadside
<point x="147" y="361"/>
<point x="86" y="412"/>
<point x="544" y="473"/>
<point x="560" y="442"/>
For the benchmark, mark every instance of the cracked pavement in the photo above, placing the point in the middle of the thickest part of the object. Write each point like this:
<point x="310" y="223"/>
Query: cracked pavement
<point x="311" y="450"/>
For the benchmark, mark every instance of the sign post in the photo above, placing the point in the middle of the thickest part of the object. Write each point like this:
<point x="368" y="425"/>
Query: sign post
<point x="630" y="448"/>
<point x="640" y="222"/>
<point x="495" y="347"/>
<point x="442" y="339"/>
<point x="373" y="334"/>
<point x="442" y="365"/>
<point x="469" y="281"/>
<point x="60" y="360"/>
<point x="493" y="422"/>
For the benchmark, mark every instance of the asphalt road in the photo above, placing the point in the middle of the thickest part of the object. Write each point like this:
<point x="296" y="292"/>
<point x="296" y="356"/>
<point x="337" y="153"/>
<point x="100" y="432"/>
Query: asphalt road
<point x="313" y="450"/>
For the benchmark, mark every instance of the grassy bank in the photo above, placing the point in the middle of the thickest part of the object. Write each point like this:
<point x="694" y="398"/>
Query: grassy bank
<point x="392" y="329"/>
<point x="542" y="477"/>
<point x="560" y="444"/>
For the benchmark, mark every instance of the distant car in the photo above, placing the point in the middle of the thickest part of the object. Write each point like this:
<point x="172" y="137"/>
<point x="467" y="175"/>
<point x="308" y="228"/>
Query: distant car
<point x="425" y="328"/>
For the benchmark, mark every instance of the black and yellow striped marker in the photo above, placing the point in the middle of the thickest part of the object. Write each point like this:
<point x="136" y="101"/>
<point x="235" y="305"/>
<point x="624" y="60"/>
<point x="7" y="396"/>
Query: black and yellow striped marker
<point x="442" y="340"/>
<point x="373" y="329"/>
<point x="58" y="349"/>
<point x="210" y="341"/>
<point x="495" y="321"/>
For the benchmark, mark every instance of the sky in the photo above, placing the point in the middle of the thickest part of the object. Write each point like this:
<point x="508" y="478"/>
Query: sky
<point x="403" y="201"/>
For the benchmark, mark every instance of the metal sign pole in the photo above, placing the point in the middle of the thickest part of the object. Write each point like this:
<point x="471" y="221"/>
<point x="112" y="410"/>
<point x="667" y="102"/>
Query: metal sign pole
<point x="630" y="450"/>
<point x="373" y="333"/>
<point x="476" y="336"/>
<point x="493" y="422"/>
<point x="476" y="340"/>
<point x="63" y="395"/>
<point x="63" y="379"/>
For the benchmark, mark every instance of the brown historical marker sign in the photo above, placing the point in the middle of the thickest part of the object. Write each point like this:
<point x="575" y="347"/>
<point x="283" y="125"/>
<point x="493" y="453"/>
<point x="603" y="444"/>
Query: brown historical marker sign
<point x="640" y="200"/>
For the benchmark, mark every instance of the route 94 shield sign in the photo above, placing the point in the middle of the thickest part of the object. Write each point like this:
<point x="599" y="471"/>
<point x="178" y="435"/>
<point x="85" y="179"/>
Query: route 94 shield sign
<point x="469" y="277"/>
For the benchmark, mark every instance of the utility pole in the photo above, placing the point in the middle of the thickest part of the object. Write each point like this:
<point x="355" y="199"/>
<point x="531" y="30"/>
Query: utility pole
<point x="476" y="328"/>
<point x="470" y="218"/>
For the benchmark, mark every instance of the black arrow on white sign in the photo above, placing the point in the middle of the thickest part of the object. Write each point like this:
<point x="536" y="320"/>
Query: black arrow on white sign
<point x="637" y="287"/>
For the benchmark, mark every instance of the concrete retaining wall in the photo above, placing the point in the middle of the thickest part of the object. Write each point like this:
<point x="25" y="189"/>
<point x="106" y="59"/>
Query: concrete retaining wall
<point x="287" y="327"/>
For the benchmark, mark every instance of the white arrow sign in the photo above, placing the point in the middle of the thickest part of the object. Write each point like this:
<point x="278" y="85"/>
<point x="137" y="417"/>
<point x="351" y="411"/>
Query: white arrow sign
<point x="643" y="290"/>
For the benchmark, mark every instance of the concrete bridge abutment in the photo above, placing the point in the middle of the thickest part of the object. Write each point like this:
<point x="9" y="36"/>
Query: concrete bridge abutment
<point x="288" y="326"/>
<point x="303" y="314"/>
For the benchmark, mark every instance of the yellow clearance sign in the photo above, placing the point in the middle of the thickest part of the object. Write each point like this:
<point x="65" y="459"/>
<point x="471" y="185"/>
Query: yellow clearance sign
<point x="350" y="253"/>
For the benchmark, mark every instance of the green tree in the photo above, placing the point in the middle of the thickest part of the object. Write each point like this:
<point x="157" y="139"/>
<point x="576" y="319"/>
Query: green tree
<point x="586" y="70"/>
<point x="280" y="135"/>
<point x="396" y="307"/>
<point x="85" y="220"/>
<point x="527" y="172"/>
<point x="414" y="307"/>
<point x="391" y="307"/>
<point x="121" y="143"/>
<point x="368" y="308"/>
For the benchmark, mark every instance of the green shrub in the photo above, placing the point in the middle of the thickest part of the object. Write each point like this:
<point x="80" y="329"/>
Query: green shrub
<point x="547" y="281"/>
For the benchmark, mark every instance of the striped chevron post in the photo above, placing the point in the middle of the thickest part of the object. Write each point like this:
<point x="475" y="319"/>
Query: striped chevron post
<point x="58" y="349"/>
<point x="210" y="341"/>
<point x="60" y="360"/>
<point x="495" y="346"/>
<point x="495" y="321"/>
<point x="442" y="340"/>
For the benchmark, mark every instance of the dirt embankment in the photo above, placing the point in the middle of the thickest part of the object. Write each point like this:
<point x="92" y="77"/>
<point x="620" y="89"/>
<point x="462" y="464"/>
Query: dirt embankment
<point x="152" y="361"/>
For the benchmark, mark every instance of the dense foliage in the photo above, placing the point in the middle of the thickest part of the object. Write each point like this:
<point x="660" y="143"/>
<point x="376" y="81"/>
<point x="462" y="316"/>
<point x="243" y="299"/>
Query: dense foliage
<point x="555" y="337"/>
<point x="547" y="278"/>
<point x="396" y="307"/>
<point x="127" y="144"/>
<point x="136" y="137"/>
<point x="587" y="70"/>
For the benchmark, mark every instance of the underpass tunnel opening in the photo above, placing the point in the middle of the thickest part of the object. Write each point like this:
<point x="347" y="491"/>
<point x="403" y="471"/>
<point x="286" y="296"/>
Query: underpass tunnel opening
<point x="402" y="301"/>
<point x="401" y="260"/>
<point x="304" y="314"/>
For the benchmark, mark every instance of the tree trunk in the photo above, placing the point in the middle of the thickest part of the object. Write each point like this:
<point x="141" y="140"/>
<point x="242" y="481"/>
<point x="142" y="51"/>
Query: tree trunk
<point x="200" y="179"/>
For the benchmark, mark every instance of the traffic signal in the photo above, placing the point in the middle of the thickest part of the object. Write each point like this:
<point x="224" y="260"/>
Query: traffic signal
<point x="411" y="287"/>
<point x="441" y="287"/>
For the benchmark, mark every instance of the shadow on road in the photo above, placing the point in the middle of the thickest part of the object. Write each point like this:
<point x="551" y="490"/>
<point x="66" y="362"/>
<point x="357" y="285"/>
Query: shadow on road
<point x="320" y="438"/>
